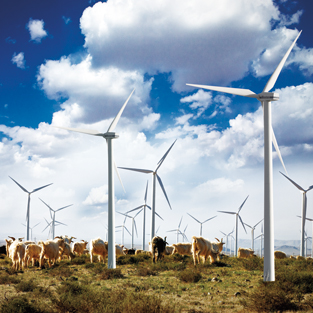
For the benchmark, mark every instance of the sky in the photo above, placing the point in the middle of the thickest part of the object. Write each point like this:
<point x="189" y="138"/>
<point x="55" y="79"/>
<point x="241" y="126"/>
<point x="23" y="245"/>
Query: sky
<point x="73" y="63"/>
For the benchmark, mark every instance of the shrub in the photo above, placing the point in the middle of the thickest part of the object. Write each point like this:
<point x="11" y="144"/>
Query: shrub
<point x="111" y="273"/>
<point x="19" y="305"/>
<point x="6" y="278"/>
<point x="26" y="285"/>
<point x="145" y="271"/>
<point x="189" y="275"/>
<point x="79" y="260"/>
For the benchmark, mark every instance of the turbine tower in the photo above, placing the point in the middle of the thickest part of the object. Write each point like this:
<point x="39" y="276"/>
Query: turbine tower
<point x="265" y="97"/>
<point x="123" y="227"/>
<point x="202" y="222"/>
<point x="108" y="136"/>
<point x="261" y="241"/>
<point x="227" y="235"/>
<point x="28" y="204"/>
<point x="53" y="215"/>
<point x="303" y="218"/>
<point x="237" y="216"/>
<point x="252" y="232"/>
<point x="155" y="176"/>
<point x="31" y="230"/>
<point x="177" y="230"/>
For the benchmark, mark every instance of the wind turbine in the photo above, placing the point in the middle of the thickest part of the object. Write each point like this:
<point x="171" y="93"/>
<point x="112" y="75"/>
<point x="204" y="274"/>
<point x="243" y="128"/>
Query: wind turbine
<point x="50" y="230"/>
<point x="252" y="232"/>
<point x="265" y="97"/>
<point x="28" y="204"/>
<point x="133" y="225"/>
<point x="200" y="222"/>
<point x="304" y="205"/>
<point x="144" y="217"/>
<point x="31" y="230"/>
<point x="227" y="235"/>
<point x="311" y="220"/>
<point x="123" y="227"/>
<point x="53" y="215"/>
<point x="237" y="216"/>
<point x="155" y="176"/>
<point x="261" y="240"/>
<point x="108" y="136"/>
<point x="184" y="234"/>
<point x="177" y="230"/>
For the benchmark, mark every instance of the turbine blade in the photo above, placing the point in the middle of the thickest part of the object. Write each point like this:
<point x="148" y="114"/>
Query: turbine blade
<point x="277" y="150"/>
<point x="123" y="214"/>
<point x="180" y="222"/>
<point x="36" y="225"/>
<point x="271" y="82"/>
<point x="83" y="131"/>
<point x="159" y="216"/>
<point x="135" y="227"/>
<point x="127" y="230"/>
<point x="172" y="230"/>
<point x="46" y="204"/>
<point x="118" y="175"/>
<point x="311" y="187"/>
<point x="248" y="225"/>
<point x="209" y="219"/>
<point x="298" y="186"/>
<point x="258" y="223"/>
<point x="117" y="117"/>
<point x="19" y="185"/>
<point x="63" y="208"/>
<point x="223" y="233"/>
<point x="136" y="170"/>
<point x="227" y="212"/>
<point x="165" y="155"/>
<point x="233" y="91"/>
<point x="60" y="223"/>
<point x="41" y="187"/>
<point x="162" y="187"/>
<point x="147" y="192"/>
<point x="138" y="213"/>
<point x="139" y="207"/>
<point x="242" y="204"/>
<point x="243" y="225"/>
<point x="194" y="218"/>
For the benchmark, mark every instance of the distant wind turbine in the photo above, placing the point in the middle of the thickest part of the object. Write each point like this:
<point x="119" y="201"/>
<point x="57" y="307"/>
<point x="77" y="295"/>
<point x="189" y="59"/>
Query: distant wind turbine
<point x="31" y="230"/>
<point x="108" y="136"/>
<point x="201" y="223"/>
<point x="265" y="97"/>
<point x="50" y="229"/>
<point x="252" y="232"/>
<point x="311" y="220"/>
<point x="177" y="230"/>
<point x="134" y="227"/>
<point x="155" y="176"/>
<point x="237" y="216"/>
<point x="261" y="240"/>
<point x="227" y="235"/>
<point x="184" y="234"/>
<point x="144" y="217"/>
<point x="53" y="215"/>
<point x="304" y="204"/>
<point x="123" y="228"/>
<point x="28" y="204"/>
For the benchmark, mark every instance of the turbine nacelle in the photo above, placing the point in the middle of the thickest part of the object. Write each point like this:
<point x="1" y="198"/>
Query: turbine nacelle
<point x="268" y="96"/>
<point x="110" y="135"/>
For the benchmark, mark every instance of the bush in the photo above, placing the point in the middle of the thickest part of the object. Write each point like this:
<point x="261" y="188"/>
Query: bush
<point x="189" y="275"/>
<point x="26" y="285"/>
<point x="79" y="260"/>
<point x="145" y="271"/>
<point x="111" y="273"/>
<point x="19" y="305"/>
<point x="6" y="278"/>
<point x="132" y="259"/>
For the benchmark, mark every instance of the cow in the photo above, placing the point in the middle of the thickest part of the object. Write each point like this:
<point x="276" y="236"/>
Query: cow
<point x="280" y="255"/>
<point x="245" y="253"/>
<point x="158" y="247"/>
<point x="32" y="252"/>
<point x="202" y="248"/>
<point x="169" y="250"/>
<point x="218" y="247"/>
<point x="79" y="247"/>
<point x="50" y="250"/>
<point x="98" y="247"/>
<point x="182" y="248"/>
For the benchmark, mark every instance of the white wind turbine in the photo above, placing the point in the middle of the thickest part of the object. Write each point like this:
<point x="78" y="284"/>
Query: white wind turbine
<point x="177" y="230"/>
<point x="50" y="229"/>
<point x="134" y="227"/>
<point x="252" y="232"/>
<point x="202" y="222"/>
<point x="123" y="227"/>
<point x="227" y="235"/>
<point x="144" y="217"/>
<point x="304" y="205"/>
<point x="265" y="97"/>
<point x="31" y="230"/>
<point x="108" y="136"/>
<point x="53" y="215"/>
<point x="261" y="240"/>
<point x="311" y="220"/>
<point x="184" y="234"/>
<point x="28" y="204"/>
<point x="155" y="176"/>
<point x="237" y="216"/>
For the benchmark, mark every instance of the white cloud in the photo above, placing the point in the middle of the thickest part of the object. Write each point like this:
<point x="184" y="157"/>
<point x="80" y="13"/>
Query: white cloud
<point x="19" y="60"/>
<point x="97" y="196"/>
<point x="36" y="30"/>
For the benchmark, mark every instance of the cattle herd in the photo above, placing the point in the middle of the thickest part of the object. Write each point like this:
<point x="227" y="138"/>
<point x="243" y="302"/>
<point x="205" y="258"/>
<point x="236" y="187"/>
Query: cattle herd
<point x="50" y="251"/>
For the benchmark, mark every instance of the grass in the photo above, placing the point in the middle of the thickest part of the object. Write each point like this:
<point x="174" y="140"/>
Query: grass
<point x="171" y="285"/>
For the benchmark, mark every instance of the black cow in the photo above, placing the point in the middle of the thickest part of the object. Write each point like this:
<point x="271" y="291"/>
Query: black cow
<point x="158" y="247"/>
<point x="3" y="250"/>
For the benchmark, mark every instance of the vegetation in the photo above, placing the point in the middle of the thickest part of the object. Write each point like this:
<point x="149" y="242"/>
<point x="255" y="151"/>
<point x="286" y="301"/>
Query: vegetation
<point x="171" y="285"/>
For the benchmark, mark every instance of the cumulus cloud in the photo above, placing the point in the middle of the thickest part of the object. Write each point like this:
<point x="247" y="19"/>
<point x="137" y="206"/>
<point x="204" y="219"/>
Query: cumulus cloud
<point x="19" y="60"/>
<point x="198" y="43"/>
<point x="36" y="30"/>
<point x="97" y="196"/>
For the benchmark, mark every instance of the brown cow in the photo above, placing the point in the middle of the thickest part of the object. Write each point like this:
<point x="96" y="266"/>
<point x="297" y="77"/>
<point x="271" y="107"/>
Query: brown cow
<point x="158" y="247"/>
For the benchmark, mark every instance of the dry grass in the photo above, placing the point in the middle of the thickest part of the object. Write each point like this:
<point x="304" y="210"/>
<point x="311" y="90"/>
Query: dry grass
<point x="172" y="285"/>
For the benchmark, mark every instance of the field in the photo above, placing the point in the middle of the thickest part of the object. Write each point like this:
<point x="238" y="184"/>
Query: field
<point x="172" y="285"/>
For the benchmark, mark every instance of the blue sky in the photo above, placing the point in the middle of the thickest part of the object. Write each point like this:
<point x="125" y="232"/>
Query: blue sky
<point x="74" y="63"/>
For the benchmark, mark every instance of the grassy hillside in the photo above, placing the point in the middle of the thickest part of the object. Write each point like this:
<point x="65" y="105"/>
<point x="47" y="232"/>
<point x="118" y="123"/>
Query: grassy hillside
<point x="172" y="285"/>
